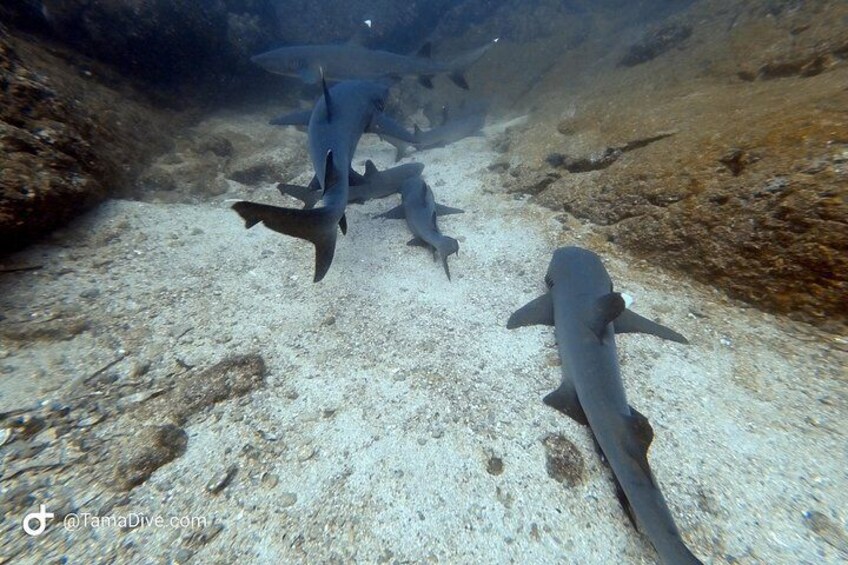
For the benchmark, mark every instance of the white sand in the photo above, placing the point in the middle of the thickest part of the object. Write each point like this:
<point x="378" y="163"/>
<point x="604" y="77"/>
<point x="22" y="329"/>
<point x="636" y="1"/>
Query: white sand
<point x="426" y="384"/>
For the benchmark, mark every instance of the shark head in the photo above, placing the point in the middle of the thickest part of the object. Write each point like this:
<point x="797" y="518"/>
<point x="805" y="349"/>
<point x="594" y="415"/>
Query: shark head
<point x="578" y="268"/>
<point x="283" y="61"/>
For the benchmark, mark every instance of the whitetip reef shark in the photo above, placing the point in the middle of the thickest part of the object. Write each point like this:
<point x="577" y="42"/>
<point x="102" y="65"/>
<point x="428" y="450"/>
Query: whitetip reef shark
<point x="340" y="117"/>
<point x="586" y="314"/>
<point x="420" y="210"/>
<point x="467" y="123"/>
<point x="350" y="61"/>
<point x="373" y="184"/>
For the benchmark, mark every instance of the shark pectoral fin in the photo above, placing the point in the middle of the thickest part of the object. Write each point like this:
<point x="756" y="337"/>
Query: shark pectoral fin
<point x="417" y="242"/>
<point x="426" y="81"/>
<point x="343" y="224"/>
<point x="447" y="210"/>
<point x="631" y="322"/>
<point x="459" y="79"/>
<point x="539" y="311"/>
<point x="303" y="193"/>
<point x="606" y="309"/>
<point x="395" y="213"/>
<point x="565" y="400"/>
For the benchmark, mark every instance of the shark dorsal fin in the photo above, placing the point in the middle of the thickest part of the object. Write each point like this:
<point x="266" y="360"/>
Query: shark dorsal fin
<point x="606" y="309"/>
<point x="426" y="51"/>
<point x="326" y="95"/>
<point x="370" y="168"/>
<point x="329" y="171"/>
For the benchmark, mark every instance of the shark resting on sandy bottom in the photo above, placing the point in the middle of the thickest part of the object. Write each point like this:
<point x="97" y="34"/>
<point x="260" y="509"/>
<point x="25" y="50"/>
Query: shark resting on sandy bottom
<point x="586" y="314"/>
<point x="420" y="210"/>
<point x="340" y="117"/>
<point x="350" y="61"/>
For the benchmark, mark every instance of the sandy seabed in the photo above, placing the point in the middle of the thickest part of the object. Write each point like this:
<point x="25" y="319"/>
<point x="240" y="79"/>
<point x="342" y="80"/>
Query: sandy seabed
<point x="399" y="420"/>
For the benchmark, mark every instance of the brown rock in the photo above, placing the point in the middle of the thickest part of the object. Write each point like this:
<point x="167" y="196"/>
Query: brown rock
<point x="65" y="141"/>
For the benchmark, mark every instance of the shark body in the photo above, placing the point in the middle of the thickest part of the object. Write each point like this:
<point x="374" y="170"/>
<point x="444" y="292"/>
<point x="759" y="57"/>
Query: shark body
<point x="340" y="117"/>
<point x="420" y="210"/>
<point x="373" y="184"/>
<point x="586" y="314"/>
<point x="354" y="62"/>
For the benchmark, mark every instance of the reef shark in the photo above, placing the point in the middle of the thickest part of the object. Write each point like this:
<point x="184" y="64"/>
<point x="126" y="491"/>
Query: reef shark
<point x="586" y="314"/>
<point x="340" y="117"/>
<point x="419" y="208"/>
<point x="468" y="123"/>
<point x="354" y="62"/>
<point x="373" y="184"/>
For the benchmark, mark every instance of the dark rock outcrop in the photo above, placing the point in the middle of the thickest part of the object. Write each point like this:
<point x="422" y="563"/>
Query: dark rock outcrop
<point x="65" y="141"/>
<point x="655" y="43"/>
<point x="751" y="194"/>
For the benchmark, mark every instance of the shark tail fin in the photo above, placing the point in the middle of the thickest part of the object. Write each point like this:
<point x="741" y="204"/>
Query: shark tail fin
<point x="318" y="226"/>
<point x="306" y="195"/>
<point x="446" y="247"/>
<point x="370" y="169"/>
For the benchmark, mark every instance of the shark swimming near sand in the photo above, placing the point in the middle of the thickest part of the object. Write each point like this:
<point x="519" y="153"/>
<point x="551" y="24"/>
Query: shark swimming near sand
<point x="373" y="184"/>
<point x="354" y="62"/>
<point x="586" y="314"/>
<point x="420" y="210"/>
<point x="468" y="122"/>
<point x="340" y="117"/>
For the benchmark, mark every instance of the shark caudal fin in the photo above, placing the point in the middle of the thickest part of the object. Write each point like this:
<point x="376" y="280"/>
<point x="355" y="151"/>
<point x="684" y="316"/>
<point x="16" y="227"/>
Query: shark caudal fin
<point x="447" y="246"/>
<point x="318" y="226"/>
<point x="305" y="194"/>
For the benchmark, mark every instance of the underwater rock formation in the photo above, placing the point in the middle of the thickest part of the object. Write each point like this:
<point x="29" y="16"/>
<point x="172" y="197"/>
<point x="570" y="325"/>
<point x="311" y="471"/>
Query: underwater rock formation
<point x="65" y="142"/>
<point x="751" y="194"/>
